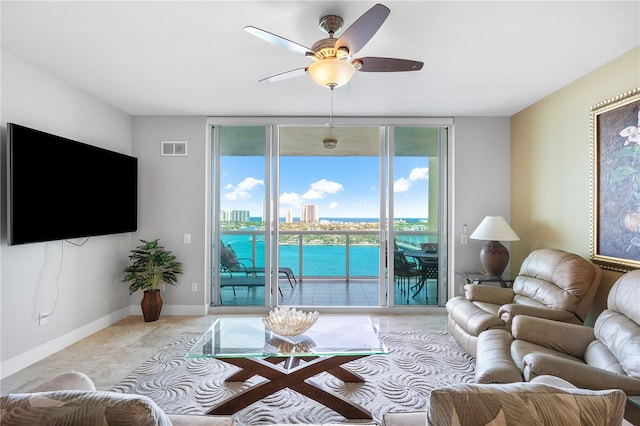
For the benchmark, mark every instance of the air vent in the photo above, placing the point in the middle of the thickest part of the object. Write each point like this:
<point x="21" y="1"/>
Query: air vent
<point x="174" y="148"/>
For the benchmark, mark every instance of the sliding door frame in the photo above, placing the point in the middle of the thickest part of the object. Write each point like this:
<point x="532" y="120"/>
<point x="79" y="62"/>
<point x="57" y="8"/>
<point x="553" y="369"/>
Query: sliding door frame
<point x="212" y="221"/>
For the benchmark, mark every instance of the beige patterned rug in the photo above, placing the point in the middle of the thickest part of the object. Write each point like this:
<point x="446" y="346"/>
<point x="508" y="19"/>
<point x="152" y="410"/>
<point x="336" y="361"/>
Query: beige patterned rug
<point x="400" y="381"/>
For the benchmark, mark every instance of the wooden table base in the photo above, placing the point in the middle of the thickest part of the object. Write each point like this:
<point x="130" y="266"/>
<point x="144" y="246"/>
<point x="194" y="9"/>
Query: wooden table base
<point x="289" y="373"/>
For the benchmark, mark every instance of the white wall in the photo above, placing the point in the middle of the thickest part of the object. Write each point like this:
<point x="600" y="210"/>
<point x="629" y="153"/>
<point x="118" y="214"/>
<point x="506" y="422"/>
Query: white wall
<point x="172" y="203"/>
<point x="88" y="290"/>
<point x="480" y="186"/>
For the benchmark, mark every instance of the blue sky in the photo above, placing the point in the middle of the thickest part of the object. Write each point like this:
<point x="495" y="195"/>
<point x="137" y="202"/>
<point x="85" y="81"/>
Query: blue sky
<point x="340" y="186"/>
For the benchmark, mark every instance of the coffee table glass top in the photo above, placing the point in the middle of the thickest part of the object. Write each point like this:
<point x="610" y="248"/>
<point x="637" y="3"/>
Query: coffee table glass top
<point x="247" y="337"/>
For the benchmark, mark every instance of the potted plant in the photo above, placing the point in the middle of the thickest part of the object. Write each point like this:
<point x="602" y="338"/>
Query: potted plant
<point x="151" y="266"/>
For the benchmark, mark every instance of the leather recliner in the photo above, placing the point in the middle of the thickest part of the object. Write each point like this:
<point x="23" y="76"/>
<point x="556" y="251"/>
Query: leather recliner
<point x="601" y="357"/>
<point x="552" y="284"/>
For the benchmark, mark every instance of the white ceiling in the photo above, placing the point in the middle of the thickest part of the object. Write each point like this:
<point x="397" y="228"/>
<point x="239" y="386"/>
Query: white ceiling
<point x="193" y="58"/>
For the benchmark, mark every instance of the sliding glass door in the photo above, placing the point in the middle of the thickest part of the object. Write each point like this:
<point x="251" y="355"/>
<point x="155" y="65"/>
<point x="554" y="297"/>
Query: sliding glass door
<point x="240" y="264"/>
<point x="418" y="201"/>
<point x="301" y="220"/>
<point x="330" y="207"/>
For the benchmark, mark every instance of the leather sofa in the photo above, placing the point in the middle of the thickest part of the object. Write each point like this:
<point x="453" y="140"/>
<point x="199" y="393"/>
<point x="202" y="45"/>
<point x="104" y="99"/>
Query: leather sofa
<point x="71" y="399"/>
<point x="603" y="357"/>
<point x="551" y="284"/>
<point x="546" y="400"/>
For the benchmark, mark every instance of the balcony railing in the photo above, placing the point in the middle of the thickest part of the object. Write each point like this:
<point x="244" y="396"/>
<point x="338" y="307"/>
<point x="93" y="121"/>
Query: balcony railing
<point x="344" y="254"/>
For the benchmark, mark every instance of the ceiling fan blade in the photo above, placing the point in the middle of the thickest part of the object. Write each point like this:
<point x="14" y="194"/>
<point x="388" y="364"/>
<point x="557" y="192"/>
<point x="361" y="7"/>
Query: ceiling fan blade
<point x="280" y="41"/>
<point x="284" y="75"/>
<point x="361" y="31"/>
<point x="373" y="64"/>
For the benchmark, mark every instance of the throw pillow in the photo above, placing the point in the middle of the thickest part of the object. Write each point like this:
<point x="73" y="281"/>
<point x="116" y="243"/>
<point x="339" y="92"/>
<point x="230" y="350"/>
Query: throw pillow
<point x="524" y="404"/>
<point x="80" y="408"/>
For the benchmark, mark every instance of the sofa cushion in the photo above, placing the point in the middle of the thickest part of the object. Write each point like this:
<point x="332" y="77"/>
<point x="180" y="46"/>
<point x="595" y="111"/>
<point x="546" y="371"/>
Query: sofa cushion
<point x="70" y="380"/>
<point x="524" y="404"/>
<point x="80" y="408"/>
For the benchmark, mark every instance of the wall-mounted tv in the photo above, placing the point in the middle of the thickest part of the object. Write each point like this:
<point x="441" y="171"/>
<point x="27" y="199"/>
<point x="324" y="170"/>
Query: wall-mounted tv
<point x="60" y="189"/>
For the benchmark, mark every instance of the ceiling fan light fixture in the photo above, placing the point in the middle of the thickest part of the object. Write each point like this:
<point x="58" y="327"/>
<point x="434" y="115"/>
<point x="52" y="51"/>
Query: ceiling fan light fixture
<point x="331" y="72"/>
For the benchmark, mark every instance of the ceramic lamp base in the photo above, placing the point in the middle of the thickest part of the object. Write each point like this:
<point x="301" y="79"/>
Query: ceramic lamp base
<point x="494" y="258"/>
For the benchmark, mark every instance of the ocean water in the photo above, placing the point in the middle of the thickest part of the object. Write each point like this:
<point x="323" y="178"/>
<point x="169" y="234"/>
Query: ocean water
<point x="319" y="260"/>
<point x="347" y="219"/>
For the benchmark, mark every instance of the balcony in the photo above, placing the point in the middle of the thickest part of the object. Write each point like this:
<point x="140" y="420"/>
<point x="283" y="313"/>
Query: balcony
<point x="332" y="267"/>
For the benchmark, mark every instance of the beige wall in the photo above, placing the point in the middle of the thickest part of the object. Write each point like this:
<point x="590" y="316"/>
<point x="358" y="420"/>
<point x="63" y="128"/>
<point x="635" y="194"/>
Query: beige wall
<point x="550" y="166"/>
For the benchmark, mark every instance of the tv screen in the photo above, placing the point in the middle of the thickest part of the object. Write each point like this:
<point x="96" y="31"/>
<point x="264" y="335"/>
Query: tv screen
<point x="60" y="189"/>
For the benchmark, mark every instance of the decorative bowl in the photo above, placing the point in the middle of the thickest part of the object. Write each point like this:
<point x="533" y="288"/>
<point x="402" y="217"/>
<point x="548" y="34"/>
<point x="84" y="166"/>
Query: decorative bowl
<point x="290" y="321"/>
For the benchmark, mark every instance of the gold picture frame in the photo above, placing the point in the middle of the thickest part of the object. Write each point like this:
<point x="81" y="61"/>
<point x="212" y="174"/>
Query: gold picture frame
<point x="615" y="182"/>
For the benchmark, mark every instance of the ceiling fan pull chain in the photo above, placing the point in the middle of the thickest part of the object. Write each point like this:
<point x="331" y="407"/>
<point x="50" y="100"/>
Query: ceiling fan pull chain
<point x="331" y="113"/>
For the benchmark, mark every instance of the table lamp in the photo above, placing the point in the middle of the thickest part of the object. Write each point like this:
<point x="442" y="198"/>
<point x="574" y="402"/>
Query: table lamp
<point x="494" y="256"/>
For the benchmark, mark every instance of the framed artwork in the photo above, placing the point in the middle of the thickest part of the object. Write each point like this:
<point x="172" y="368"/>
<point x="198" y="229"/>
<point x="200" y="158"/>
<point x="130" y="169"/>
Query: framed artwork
<point x="615" y="220"/>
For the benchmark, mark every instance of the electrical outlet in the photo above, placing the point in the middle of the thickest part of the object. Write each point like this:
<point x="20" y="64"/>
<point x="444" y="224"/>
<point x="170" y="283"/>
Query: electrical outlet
<point x="187" y="238"/>
<point x="194" y="286"/>
<point x="464" y="239"/>
<point x="42" y="318"/>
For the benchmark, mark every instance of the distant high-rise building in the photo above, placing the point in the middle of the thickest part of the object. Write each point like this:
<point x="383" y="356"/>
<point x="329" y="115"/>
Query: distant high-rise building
<point x="309" y="213"/>
<point x="288" y="218"/>
<point x="235" y="216"/>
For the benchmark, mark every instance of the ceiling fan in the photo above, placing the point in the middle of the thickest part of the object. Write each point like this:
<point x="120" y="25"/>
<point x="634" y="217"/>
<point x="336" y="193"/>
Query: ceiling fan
<point x="334" y="64"/>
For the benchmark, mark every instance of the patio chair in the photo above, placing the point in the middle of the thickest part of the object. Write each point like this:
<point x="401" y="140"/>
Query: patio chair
<point x="429" y="269"/>
<point x="229" y="262"/>
<point x="403" y="271"/>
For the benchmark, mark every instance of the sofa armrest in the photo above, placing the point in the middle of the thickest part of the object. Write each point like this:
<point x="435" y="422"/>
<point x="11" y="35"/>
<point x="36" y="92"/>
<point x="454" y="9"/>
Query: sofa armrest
<point x="408" y="418"/>
<point x="71" y="380"/>
<point x="509" y="311"/>
<point x="523" y="403"/>
<point x="483" y="293"/>
<point x="581" y="375"/>
<point x="493" y="360"/>
<point x="200" y="420"/>
<point x="570" y="339"/>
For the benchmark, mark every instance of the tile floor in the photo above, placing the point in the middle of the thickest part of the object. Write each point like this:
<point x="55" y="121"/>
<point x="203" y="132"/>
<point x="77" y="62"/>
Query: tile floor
<point x="333" y="292"/>
<point x="112" y="353"/>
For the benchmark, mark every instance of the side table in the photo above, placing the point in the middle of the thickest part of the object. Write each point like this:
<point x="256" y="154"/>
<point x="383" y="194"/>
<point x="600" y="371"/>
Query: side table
<point x="479" y="278"/>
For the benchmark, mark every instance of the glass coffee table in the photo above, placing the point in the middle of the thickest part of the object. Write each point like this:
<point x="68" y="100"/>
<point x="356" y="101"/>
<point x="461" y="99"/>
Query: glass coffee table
<point x="290" y="362"/>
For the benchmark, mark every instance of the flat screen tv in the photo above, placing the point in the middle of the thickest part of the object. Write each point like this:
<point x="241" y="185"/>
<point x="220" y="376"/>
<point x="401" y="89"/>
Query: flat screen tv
<point x="60" y="189"/>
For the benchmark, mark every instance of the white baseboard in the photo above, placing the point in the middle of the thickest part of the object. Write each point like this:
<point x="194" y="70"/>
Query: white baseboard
<point x="38" y="353"/>
<point x="189" y="310"/>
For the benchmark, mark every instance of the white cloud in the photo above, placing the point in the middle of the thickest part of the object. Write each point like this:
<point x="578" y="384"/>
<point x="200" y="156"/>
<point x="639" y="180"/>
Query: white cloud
<point x="333" y="205"/>
<point x="244" y="189"/>
<point x="321" y="188"/>
<point x="291" y="198"/>
<point x="327" y="186"/>
<point x="401" y="185"/>
<point x="313" y="195"/>
<point x="419" y="173"/>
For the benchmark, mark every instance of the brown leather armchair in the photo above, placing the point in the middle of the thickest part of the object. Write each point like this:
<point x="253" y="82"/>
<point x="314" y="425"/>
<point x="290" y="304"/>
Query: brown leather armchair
<point x="603" y="357"/>
<point x="552" y="284"/>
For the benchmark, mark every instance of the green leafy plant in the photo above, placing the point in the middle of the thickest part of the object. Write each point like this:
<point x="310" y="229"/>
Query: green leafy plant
<point x="151" y="266"/>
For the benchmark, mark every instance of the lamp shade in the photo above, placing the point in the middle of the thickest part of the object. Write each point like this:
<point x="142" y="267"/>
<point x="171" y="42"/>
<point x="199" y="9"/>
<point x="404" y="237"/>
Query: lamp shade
<point x="331" y="72"/>
<point x="494" y="228"/>
<point x="494" y="256"/>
